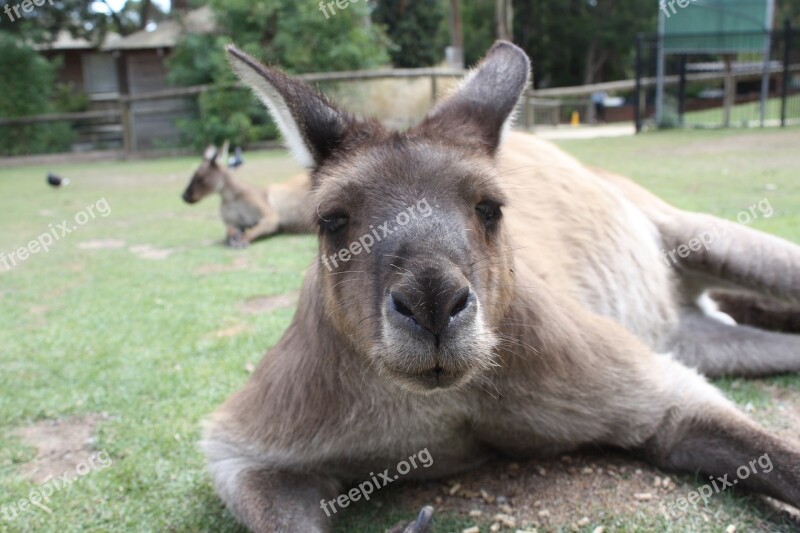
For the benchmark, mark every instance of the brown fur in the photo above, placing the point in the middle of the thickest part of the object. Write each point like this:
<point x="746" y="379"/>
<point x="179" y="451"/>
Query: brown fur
<point x="760" y="312"/>
<point x="529" y="314"/>
<point x="248" y="212"/>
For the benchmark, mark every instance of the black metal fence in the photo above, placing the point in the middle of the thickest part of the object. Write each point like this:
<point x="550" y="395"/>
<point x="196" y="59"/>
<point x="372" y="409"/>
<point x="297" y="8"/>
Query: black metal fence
<point x="717" y="80"/>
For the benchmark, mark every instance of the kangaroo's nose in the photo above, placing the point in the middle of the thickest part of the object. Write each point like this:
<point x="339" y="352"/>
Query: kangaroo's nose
<point x="431" y="311"/>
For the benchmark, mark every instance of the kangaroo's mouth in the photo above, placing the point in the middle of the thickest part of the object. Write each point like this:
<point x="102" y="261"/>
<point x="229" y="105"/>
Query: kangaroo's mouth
<point x="432" y="378"/>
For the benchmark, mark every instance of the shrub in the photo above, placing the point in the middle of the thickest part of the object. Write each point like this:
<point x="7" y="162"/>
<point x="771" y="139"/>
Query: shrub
<point x="27" y="86"/>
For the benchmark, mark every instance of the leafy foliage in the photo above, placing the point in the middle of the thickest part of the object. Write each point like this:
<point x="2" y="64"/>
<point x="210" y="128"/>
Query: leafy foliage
<point x="300" y="37"/>
<point x="416" y="29"/>
<point x="478" y="19"/>
<point x="27" y="86"/>
<point x="306" y="42"/>
<point x="576" y="42"/>
<point x="89" y="19"/>
<point x="227" y="114"/>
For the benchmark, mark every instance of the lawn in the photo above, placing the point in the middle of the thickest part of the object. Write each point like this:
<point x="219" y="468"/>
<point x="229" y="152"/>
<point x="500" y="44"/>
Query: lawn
<point x="138" y="323"/>
<point x="744" y="114"/>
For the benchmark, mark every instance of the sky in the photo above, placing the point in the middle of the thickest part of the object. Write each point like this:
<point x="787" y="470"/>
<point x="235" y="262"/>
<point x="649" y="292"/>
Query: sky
<point x="116" y="5"/>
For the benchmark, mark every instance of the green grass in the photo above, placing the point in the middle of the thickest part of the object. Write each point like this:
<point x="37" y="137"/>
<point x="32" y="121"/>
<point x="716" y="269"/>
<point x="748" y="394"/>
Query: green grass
<point x="106" y="331"/>
<point x="742" y="114"/>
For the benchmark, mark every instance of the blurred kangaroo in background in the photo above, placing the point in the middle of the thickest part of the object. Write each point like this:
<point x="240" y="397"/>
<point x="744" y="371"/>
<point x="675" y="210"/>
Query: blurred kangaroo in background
<point x="249" y="212"/>
<point x="531" y="313"/>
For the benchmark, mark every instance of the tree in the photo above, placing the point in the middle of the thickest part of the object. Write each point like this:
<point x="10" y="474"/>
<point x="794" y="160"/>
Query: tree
<point x="27" y="86"/>
<point x="505" y="19"/>
<point x="296" y="35"/>
<point x="456" y="34"/>
<point x="81" y="19"/>
<point x="416" y="30"/>
<point x="301" y="37"/>
<point x="575" y="42"/>
<point x="787" y="10"/>
<point x="478" y="18"/>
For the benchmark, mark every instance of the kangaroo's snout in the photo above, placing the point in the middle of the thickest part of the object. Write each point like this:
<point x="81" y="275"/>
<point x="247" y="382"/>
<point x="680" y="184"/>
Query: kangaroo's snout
<point x="431" y="312"/>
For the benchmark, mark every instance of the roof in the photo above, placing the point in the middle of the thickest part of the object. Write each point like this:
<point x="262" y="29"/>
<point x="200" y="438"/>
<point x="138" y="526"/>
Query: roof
<point x="167" y="33"/>
<point x="65" y="41"/>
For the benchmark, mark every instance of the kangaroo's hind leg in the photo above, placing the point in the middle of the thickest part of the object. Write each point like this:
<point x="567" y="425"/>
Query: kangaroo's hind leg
<point x="759" y="311"/>
<point x="717" y="349"/>
<point x="726" y="255"/>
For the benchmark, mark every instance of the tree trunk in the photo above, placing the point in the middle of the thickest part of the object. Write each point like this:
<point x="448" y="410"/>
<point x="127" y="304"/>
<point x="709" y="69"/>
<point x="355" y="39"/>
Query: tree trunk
<point x="144" y="14"/>
<point x="505" y="19"/>
<point x="180" y="6"/>
<point x="457" y="35"/>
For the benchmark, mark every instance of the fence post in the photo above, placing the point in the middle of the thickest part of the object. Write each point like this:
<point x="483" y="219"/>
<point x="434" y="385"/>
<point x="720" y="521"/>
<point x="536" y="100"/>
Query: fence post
<point x="682" y="90"/>
<point x="729" y="98"/>
<point x="637" y="94"/>
<point x="128" y="141"/>
<point x="527" y="100"/>
<point x="434" y="89"/>
<point x="787" y="38"/>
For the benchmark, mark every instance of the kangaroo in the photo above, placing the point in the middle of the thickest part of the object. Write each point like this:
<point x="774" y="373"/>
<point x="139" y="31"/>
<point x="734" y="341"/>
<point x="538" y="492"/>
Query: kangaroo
<point x="766" y="313"/>
<point x="248" y="212"/>
<point x="528" y="313"/>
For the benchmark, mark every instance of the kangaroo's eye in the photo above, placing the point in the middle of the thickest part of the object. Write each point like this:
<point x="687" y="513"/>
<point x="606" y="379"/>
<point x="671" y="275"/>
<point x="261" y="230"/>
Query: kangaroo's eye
<point x="489" y="212"/>
<point x="333" y="223"/>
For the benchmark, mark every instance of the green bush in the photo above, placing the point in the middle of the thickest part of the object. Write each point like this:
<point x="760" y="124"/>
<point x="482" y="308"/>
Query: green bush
<point x="417" y="30"/>
<point x="27" y="85"/>
<point x="295" y="35"/>
<point x="227" y="114"/>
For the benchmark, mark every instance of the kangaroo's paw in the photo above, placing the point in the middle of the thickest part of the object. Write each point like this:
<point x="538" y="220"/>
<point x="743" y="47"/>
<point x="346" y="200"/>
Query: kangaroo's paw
<point x="237" y="241"/>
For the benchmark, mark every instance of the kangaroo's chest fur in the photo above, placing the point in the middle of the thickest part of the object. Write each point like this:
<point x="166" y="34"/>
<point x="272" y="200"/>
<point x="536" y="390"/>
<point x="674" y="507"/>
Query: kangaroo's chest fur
<point x="240" y="211"/>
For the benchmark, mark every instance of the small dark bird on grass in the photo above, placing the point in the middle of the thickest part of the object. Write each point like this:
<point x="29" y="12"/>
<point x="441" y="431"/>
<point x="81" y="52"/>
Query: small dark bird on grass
<point x="56" y="181"/>
<point x="236" y="160"/>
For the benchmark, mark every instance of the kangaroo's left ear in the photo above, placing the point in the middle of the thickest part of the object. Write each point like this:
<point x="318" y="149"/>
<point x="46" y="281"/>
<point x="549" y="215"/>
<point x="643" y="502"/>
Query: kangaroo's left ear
<point x="482" y="108"/>
<point x="211" y="153"/>
<point x="312" y="127"/>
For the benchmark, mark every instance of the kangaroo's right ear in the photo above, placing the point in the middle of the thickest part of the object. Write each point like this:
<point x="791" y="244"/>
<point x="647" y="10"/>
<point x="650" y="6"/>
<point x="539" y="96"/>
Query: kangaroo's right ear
<point x="312" y="126"/>
<point x="223" y="155"/>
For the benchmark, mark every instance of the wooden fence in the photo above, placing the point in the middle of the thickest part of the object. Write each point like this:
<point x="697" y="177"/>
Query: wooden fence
<point x="123" y="119"/>
<point x="124" y="122"/>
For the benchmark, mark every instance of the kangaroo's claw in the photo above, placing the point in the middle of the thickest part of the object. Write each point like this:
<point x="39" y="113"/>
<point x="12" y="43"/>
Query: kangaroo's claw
<point x="423" y="522"/>
<point x="238" y="241"/>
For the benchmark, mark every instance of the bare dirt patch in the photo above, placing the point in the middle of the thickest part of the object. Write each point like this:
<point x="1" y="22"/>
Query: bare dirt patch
<point x="149" y="252"/>
<point x="577" y="492"/>
<point x="142" y="251"/>
<point x="240" y="263"/>
<point x="106" y="244"/>
<point x="266" y="304"/>
<point x="230" y="331"/>
<point x="60" y="445"/>
<point x="572" y="491"/>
